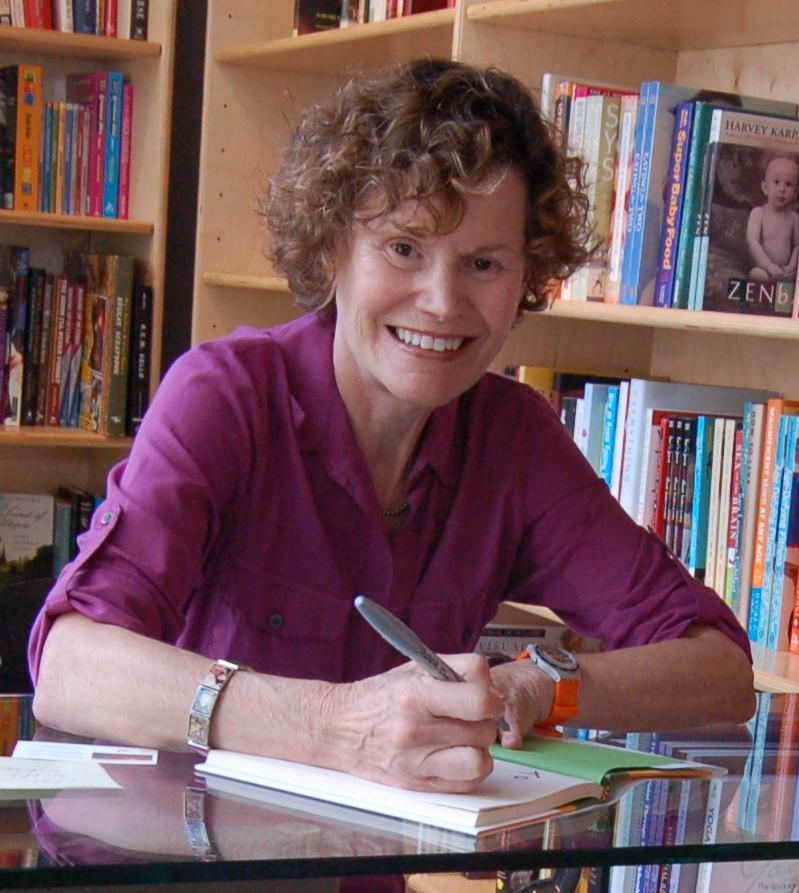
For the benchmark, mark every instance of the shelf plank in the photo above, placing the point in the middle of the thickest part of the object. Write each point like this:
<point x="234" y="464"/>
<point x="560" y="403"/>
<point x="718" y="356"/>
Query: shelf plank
<point x="340" y="49"/>
<point x="60" y="437"/>
<point x="76" y="221"/>
<point x="678" y="25"/>
<point x="84" y="46"/>
<point x="776" y="671"/>
<point x="240" y="280"/>
<point x="616" y="314"/>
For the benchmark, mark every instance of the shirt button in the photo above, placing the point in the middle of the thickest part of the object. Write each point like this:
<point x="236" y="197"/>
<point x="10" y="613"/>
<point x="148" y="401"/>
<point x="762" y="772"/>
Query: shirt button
<point x="107" y="518"/>
<point x="276" y="620"/>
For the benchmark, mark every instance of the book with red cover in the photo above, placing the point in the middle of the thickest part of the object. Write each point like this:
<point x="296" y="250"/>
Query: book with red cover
<point x="91" y="89"/>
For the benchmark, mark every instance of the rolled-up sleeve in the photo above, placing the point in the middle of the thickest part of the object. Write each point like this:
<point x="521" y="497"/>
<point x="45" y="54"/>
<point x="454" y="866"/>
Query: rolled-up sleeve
<point x="587" y="560"/>
<point x="149" y="541"/>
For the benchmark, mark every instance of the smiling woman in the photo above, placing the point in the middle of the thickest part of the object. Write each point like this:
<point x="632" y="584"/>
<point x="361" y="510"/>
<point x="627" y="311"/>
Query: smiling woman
<point x="364" y="449"/>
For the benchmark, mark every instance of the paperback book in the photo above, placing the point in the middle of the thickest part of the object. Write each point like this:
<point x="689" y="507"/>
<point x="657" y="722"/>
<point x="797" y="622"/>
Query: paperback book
<point x="525" y="785"/>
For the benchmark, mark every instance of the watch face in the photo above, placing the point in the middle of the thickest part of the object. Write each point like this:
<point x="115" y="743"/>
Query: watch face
<point x="557" y="657"/>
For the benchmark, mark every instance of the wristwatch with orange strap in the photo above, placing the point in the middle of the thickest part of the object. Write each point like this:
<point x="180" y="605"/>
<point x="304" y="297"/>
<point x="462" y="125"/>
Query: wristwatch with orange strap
<point x="563" y="669"/>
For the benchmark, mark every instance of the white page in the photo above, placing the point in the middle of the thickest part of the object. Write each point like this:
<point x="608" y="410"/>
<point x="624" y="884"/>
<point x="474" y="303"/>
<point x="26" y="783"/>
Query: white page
<point x="51" y="775"/>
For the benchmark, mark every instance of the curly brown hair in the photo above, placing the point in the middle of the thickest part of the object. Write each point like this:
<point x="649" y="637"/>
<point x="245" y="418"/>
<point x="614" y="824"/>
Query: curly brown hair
<point x="430" y="130"/>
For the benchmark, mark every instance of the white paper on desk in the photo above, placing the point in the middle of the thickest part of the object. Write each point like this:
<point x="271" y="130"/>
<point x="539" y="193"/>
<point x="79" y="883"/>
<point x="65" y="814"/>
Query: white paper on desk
<point x="97" y="753"/>
<point x="17" y="774"/>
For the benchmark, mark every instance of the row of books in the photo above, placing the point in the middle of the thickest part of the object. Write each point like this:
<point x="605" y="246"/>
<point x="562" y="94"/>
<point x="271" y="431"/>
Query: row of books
<point x="693" y="194"/>
<point x="65" y="157"/>
<point x="322" y="15"/>
<point x="107" y="18"/>
<point x="713" y="470"/>
<point x="39" y="531"/>
<point x="74" y="346"/>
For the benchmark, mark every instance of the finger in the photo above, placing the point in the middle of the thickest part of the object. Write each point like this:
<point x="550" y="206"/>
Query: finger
<point x="473" y="702"/>
<point x="456" y="765"/>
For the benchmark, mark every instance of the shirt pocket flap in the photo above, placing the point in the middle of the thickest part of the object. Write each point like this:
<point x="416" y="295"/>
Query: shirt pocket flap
<point x="289" y="610"/>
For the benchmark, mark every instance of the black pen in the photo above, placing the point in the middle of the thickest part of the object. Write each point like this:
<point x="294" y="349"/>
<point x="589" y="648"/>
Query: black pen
<point x="405" y="640"/>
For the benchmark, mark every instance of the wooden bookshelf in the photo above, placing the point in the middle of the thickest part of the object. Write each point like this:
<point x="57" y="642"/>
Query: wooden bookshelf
<point x="737" y="45"/>
<point x="40" y="459"/>
<point x="87" y="47"/>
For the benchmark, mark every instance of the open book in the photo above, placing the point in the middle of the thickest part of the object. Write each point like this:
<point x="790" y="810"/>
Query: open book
<point x="525" y="785"/>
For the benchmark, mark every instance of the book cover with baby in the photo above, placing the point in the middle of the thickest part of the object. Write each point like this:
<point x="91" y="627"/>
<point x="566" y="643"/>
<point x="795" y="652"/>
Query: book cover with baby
<point x="753" y="216"/>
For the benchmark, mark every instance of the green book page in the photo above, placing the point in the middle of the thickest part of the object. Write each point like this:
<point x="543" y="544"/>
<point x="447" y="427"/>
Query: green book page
<point x="584" y="759"/>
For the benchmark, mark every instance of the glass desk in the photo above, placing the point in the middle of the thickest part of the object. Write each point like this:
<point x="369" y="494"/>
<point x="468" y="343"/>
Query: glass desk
<point x="161" y="829"/>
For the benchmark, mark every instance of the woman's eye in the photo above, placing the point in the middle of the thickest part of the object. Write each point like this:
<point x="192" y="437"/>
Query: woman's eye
<point x="485" y="265"/>
<point x="402" y="249"/>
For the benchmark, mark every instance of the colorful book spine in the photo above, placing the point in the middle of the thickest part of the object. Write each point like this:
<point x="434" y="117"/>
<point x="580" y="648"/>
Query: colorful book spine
<point x="91" y="89"/>
<point x="703" y="112"/>
<point x="55" y="371"/>
<point x="112" y="145"/>
<point x="734" y="525"/>
<point x="609" y="435"/>
<point x="781" y="603"/>
<point x="621" y="193"/>
<point x="28" y="137"/>
<point x="672" y="212"/>
<point x="15" y="339"/>
<point x="700" y="506"/>
<point x="84" y="16"/>
<point x="139" y="19"/>
<point x="125" y="142"/>
<point x="628" y="294"/>
<point x="771" y="532"/>
<point x="46" y="156"/>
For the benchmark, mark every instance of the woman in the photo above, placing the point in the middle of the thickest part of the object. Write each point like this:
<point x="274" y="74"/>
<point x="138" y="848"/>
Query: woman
<point x="364" y="449"/>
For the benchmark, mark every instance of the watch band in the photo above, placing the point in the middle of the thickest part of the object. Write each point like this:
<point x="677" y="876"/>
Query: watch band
<point x="567" y="683"/>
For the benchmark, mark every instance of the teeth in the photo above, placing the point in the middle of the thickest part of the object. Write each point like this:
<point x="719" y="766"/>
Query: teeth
<point x="427" y="342"/>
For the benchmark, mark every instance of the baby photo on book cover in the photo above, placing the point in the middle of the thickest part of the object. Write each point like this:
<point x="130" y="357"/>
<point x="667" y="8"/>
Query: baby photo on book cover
<point x="753" y="243"/>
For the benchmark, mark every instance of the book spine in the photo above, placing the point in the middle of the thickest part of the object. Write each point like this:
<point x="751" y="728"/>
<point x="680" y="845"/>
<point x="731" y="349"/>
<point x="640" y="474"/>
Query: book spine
<point x="139" y="363"/>
<point x="609" y="435"/>
<point x="777" y="634"/>
<point x="8" y="133"/>
<point x="46" y="157"/>
<point x="702" y="240"/>
<point x="60" y="158"/>
<point x="110" y="25"/>
<point x="33" y="341"/>
<point x="112" y="146"/>
<point x="15" y="340"/>
<point x="712" y="811"/>
<point x="618" y="448"/>
<point x="672" y="211"/>
<point x="682" y="522"/>
<point x="650" y="449"/>
<point x="621" y="192"/>
<point x="55" y="371"/>
<point x="628" y="293"/>
<point x="5" y="12"/>
<point x="123" y="209"/>
<point x="734" y="525"/>
<point x="769" y="453"/>
<point x="139" y="19"/>
<point x="69" y="156"/>
<point x="28" y="136"/>
<point x="84" y="16"/>
<point x="123" y="18"/>
<point x="44" y="349"/>
<point x="636" y="273"/>
<point x="771" y="535"/>
<point x="690" y="203"/>
<point x="725" y="486"/>
<point x="63" y="15"/>
<point x="713" y="509"/>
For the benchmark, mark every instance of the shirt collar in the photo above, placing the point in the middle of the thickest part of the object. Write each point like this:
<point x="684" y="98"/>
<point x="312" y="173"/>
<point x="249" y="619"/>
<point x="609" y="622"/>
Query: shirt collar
<point x="321" y="420"/>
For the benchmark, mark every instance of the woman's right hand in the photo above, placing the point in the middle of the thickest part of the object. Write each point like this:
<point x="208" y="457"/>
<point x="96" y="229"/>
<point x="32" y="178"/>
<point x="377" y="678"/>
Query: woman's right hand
<point x="406" y="729"/>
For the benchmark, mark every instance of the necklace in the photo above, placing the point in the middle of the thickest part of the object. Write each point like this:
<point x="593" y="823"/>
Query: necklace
<point x="399" y="510"/>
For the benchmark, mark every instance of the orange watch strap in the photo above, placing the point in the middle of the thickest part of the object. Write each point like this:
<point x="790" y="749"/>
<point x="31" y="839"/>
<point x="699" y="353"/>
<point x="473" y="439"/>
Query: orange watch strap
<point x="564" y="705"/>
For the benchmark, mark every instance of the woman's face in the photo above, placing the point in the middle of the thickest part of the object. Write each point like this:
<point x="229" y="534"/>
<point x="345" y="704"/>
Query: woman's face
<point x="420" y="316"/>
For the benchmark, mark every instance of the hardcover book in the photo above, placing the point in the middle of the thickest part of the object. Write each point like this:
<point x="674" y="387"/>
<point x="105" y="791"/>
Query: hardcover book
<point x="91" y="90"/>
<point x="28" y="137"/>
<point x="26" y="536"/>
<point x="751" y="223"/>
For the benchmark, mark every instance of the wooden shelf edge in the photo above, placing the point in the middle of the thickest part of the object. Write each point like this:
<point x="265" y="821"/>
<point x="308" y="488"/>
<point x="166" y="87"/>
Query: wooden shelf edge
<point x="60" y="437"/>
<point x="238" y="280"/>
<point x="616" y="314"/>
<point x="60" y="43"/>
<point x="284" y="48"/>
<point x="705" y="322"/>
<point x="775" y="671"/>
<point x="75" y="221"/>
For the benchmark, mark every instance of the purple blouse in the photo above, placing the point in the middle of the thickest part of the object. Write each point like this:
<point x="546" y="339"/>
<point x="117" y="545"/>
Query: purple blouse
<point x="244" y="521"/>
